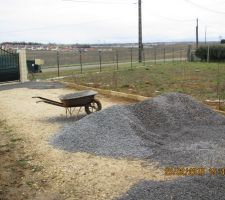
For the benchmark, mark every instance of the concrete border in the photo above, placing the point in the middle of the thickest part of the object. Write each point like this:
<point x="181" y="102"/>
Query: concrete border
<point x="117" y="94"/>
<point x="107" y="92"/>
<point x="220" y="111"/>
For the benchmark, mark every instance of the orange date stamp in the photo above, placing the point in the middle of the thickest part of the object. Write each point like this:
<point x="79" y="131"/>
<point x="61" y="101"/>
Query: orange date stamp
<point x="193" y="171"/>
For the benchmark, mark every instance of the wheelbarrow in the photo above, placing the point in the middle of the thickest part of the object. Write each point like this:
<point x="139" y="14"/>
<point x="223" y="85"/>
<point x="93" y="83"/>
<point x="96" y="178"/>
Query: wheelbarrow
<point x="72" y="101"/>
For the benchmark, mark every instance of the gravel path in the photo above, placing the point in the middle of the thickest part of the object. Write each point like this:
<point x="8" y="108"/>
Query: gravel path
<point x="64" y="175"/>
<point x="31" y="85"/>
<point x="172" y="129"/>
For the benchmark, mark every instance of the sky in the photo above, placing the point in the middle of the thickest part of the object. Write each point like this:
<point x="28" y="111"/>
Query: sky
<point x="110" y="21"/>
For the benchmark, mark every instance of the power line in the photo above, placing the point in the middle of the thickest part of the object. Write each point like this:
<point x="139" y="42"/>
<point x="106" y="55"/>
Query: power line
<point x="175" y="20"/>
<point x="56" y="26"/>
<point x="205" y="8"/>
<point x="139" y="19"/>
<point x="100" y="2"/>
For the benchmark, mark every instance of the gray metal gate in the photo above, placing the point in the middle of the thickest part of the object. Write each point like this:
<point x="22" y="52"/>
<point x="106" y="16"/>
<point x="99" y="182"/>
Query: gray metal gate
<point x="9" y="66"/>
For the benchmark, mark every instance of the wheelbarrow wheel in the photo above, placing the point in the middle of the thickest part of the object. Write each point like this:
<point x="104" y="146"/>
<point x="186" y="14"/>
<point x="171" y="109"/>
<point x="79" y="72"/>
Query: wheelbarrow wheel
<point x="94" y="106"/>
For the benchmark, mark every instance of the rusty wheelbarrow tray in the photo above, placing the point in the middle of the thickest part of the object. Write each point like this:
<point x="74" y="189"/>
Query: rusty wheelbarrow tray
<point x="80" y="99"/>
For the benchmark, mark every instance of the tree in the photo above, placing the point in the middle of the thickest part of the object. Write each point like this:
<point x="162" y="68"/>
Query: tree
<point x="222" y="41"/>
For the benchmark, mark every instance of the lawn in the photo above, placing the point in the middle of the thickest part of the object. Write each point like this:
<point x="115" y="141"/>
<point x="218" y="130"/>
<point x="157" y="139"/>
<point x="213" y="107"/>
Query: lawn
<point x="201" y="80"/>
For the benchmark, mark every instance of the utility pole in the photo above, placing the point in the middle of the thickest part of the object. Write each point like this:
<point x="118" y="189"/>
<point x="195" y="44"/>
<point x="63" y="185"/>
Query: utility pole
<point x="197" y="34"/>
<point x="140" y="45"/>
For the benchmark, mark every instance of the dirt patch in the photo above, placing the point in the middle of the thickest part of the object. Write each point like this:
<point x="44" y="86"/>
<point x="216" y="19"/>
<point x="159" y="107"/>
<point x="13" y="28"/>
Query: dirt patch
<point x="63" y="175"/>
<point x="16" y="172"/>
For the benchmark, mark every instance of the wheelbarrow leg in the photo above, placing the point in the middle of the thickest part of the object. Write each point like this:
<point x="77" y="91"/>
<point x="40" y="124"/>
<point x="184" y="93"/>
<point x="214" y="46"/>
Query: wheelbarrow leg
<point x="79" y="110"/>
<point x="66" y="111"/>
<point x="73" y="110"/>
<point x="70" y="111"/>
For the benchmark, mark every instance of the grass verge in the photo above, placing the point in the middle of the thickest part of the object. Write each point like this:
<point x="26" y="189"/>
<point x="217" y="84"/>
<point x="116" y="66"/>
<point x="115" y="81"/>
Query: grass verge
<point x="201" y="80"/>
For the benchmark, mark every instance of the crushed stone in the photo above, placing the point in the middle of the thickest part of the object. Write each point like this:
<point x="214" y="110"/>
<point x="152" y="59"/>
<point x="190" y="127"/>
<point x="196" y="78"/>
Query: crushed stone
<point x="171" y="129"/>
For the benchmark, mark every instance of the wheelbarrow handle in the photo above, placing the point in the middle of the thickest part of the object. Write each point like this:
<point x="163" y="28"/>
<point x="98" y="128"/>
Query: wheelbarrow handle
<point x="42" y="98"/>
<point x="49" y="101"/>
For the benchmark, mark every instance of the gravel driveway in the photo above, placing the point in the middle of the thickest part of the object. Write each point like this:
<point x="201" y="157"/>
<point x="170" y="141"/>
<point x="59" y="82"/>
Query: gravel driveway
<point x="120" y="152"/>
<point x="61" y="174"/>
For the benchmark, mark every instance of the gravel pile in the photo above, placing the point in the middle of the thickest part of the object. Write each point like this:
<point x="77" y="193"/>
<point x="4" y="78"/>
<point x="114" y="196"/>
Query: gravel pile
<point x="172" y="129"/>
<point x="204" y="188"/>
<point x="110" y="132"/>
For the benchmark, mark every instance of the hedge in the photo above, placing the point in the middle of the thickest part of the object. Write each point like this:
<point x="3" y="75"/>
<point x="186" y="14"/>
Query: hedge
<point x="216" y="53"/>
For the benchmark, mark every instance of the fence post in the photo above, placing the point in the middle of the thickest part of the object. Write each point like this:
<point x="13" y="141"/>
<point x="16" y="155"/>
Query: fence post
<point x="208" y="55"/>
<point x="164" y="55"/>
<point x="131" y="57"/>
<point x="113" y="59"/>
<point x="114" y="80"/>
<point x="58" y="62"/>
<point x="189" y="53"/>
<point x="173" y="54"/>
<point x="117" y="60"/>
<point x="81" y="64"/>
<point x="180" y="55"/>
<point x="149" y="53"/>
<point x="143" y="56"/>
<point x="155" y="54"/>
<point x="100" y="60"/>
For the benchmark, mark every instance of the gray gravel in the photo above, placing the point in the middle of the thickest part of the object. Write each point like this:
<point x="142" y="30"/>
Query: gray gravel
<point x="31" y="85"/>
<point x="172" y="129"/>
<point x="197" y="188"/>
<point x="108" y="133"/>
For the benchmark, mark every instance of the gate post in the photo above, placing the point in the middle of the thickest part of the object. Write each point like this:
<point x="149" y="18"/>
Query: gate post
<point x="23" y="65"/>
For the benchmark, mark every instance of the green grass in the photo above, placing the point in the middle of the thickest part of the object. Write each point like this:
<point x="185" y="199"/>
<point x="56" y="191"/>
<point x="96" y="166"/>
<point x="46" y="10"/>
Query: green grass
<point x="197" y="79"/>
<point x="22" y="163"/>
<point x="201" y="80"/>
